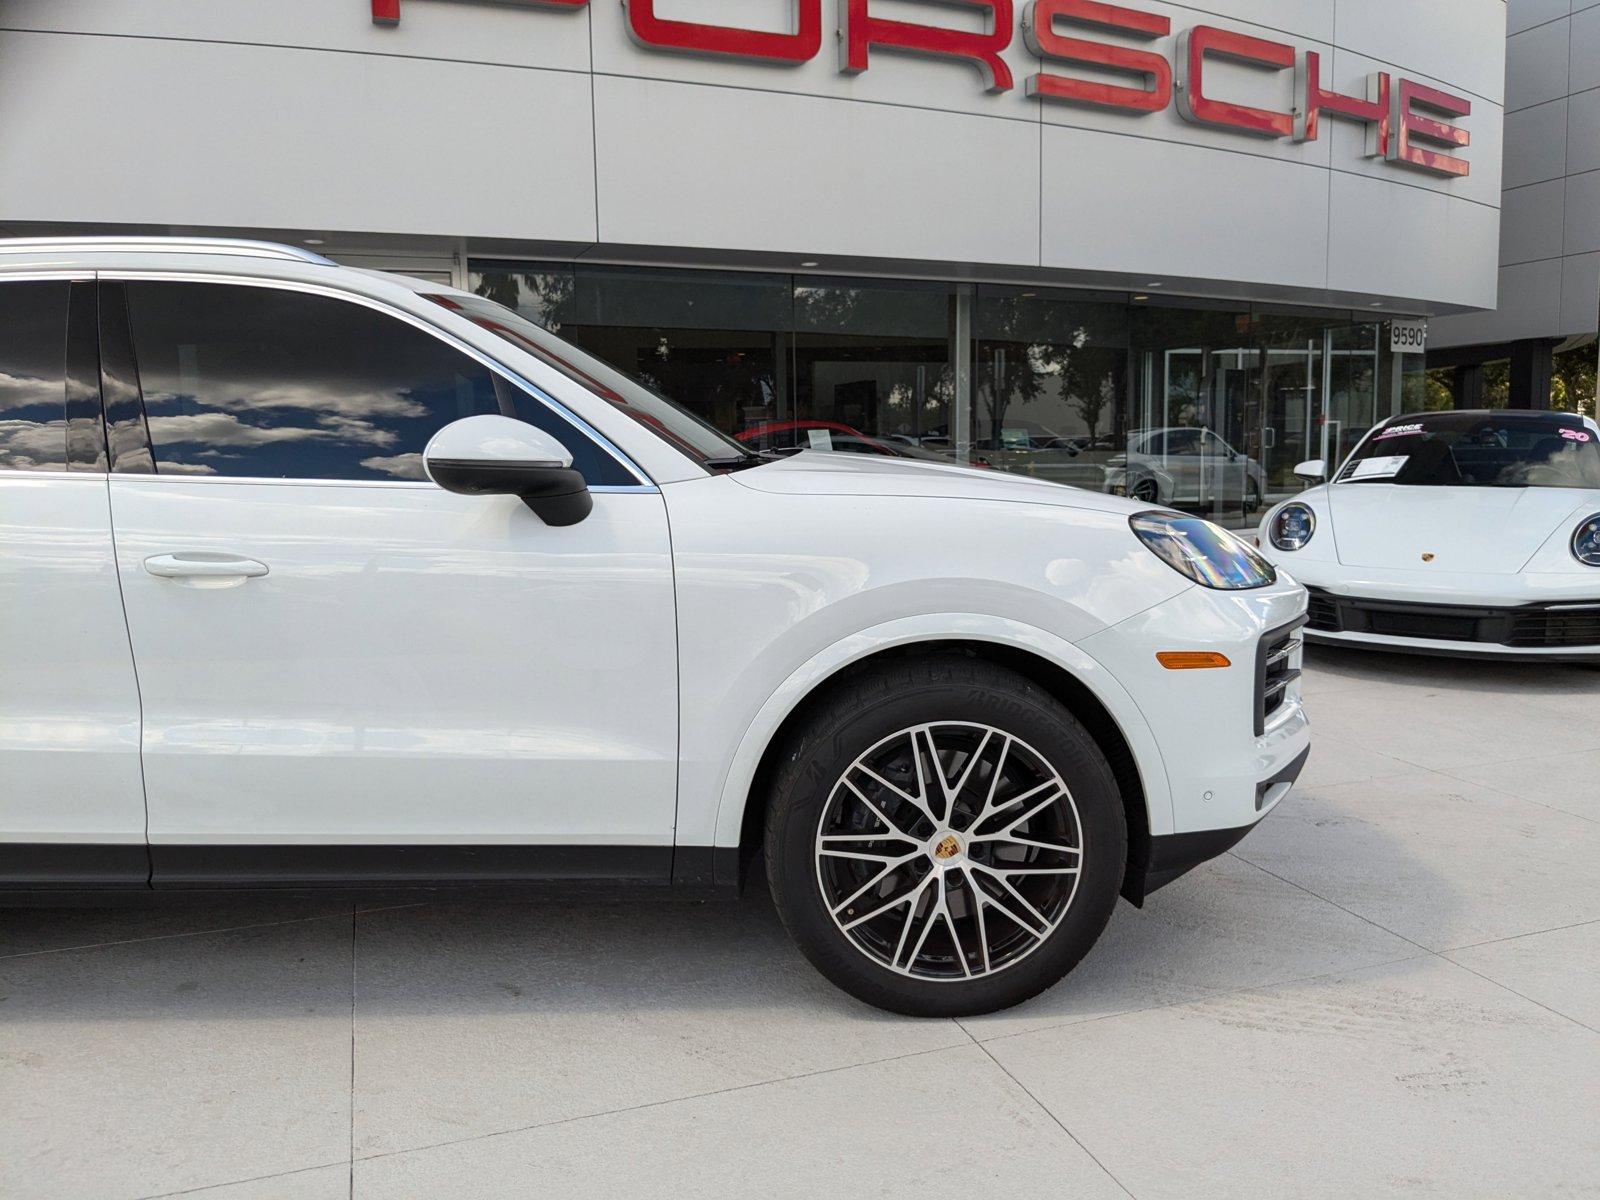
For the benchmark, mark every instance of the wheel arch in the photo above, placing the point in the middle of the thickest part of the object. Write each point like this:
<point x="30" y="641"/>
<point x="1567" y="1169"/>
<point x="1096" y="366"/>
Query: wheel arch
<point x="1068" y="674"/>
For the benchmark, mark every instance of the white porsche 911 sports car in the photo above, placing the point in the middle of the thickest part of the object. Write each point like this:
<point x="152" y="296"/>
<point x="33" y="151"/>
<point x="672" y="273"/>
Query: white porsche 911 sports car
<point x="1458" y="533"/>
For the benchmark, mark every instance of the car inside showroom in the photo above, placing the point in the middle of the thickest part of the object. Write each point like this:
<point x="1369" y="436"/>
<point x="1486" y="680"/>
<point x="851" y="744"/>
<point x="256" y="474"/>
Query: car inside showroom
<point x="822" y="597"/>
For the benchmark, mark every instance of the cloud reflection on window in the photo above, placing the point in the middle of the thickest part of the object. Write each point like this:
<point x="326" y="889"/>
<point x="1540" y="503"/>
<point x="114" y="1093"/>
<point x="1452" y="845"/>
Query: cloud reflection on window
<point x="260" y="382"/>
<point x="33" y="398"/>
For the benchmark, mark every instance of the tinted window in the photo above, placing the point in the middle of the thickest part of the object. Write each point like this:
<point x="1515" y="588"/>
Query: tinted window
<point x="33" y="388"/>
<point x="270" y="383"/>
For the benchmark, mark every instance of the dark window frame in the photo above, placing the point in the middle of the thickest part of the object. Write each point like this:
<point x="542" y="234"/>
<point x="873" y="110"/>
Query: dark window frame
<point x="85" y="403"/>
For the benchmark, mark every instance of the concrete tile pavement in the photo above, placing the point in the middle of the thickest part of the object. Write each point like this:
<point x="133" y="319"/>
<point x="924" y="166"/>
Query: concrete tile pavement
<point x="1390" y="989"/>
<point x="1414" y="1078"/>
<point x="175" y="1062"/>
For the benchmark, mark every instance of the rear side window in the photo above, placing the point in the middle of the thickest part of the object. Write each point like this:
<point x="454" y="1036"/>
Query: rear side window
<point x="261" y="382"/>
<point x="33" y="386"/>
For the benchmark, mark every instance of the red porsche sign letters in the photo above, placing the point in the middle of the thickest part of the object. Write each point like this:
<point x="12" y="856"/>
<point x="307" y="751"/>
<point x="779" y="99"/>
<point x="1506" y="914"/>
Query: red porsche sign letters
<point x="1407" y="123"/>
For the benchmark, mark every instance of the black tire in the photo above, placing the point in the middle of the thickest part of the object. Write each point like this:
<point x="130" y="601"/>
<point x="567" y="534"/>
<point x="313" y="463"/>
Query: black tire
<point x="1146" y="491"/>
<point x="947" y="690"/>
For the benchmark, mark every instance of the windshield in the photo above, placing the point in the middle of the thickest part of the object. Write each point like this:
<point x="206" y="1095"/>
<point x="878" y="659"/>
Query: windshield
<point x="1479" y="449"/>
<point x="694" y="437"/>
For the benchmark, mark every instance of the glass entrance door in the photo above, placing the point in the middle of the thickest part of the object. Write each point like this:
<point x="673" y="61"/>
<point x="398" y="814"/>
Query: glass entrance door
<point x="1197" y="442"/>
<point x="1293" y="408"/>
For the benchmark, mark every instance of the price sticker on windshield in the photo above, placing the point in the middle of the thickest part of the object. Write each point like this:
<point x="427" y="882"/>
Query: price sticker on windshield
<point x="1385" y="467"/>
<point x="1408" y="337"/>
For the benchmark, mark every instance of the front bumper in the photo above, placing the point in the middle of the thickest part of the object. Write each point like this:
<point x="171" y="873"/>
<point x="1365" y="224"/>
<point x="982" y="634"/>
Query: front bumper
<point x="1231" y="740"/>
<point x="1544" y="616"/>
<point x="1176" y="854"/>
<point x="1537" y="630"/>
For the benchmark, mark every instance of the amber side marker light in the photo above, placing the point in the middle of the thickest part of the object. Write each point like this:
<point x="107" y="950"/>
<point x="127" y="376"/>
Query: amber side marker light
<point x="1192" y="660"/>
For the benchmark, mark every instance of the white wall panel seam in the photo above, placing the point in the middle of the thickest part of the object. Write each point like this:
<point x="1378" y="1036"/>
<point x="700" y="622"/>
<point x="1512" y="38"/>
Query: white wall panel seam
<point x="1014" y="115"/>
<point x="594" y="130"/>
<point x="1542" y="25"/>
<point x="1561" y="99"/>
<point x="1414" y="186"/>
<point x="293" y="46"/>
<point x="1528" y="262"/>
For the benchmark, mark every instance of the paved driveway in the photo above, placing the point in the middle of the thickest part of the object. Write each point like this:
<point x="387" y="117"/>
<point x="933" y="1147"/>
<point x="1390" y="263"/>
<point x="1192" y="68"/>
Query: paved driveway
<point x="1391" y="988"/>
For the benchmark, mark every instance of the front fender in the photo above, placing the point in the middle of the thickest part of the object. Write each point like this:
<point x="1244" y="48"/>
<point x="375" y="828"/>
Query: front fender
<point x="739" y="774"/>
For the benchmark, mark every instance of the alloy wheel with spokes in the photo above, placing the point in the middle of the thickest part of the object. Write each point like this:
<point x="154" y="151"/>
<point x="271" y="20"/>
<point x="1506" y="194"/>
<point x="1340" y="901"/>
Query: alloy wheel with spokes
<point x="949" y="850"/>
<point x="944" y="837"/>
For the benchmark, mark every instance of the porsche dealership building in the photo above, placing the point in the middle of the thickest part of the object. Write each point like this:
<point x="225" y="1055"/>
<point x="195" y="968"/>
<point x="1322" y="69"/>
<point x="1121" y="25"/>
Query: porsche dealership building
<point x="1173" y="250"/>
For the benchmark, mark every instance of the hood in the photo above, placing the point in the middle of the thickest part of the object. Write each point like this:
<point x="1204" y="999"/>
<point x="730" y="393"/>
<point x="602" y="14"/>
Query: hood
<point x="1492" y="531"/>
<point x="823" y="473"/>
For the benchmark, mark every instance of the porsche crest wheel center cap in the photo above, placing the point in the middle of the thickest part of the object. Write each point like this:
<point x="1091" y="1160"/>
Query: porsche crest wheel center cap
<point x="946" y="848"/>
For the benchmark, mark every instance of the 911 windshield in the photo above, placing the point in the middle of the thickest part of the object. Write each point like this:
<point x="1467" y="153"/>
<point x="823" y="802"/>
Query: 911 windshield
<point x="1503" y="449"/>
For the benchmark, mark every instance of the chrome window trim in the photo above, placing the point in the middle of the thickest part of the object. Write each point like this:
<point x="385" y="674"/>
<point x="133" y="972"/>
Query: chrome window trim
<point x="52" y="473"/>
<point x="336" y="293"/>
<point x="295" y="481"/>
<point x="24" y="274"/>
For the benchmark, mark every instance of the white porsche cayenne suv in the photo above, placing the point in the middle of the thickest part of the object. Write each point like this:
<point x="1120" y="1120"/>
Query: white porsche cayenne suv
<point x="1470" y="534"/>
<point x="316" y="578"/>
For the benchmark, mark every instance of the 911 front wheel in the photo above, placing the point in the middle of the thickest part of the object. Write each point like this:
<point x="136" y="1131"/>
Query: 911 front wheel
<point x="945" y="838"/>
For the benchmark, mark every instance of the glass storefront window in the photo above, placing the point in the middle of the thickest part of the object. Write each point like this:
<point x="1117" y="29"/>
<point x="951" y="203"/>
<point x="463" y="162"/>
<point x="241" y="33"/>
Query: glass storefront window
<point x="1202" y="405"/>
<point x="712" y="341"/>
<point x="873" y="369"/>
<point x="1049" y="384"/>
<point x="1353" y="373"/>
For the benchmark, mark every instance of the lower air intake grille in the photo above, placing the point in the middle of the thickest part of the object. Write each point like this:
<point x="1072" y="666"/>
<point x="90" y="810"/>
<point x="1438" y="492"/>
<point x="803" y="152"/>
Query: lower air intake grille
<point x="1572" y="627"/>
<point x="1277" y="666"/>
<point x="1323" y="613"/>
<point x="1526" y="627"/>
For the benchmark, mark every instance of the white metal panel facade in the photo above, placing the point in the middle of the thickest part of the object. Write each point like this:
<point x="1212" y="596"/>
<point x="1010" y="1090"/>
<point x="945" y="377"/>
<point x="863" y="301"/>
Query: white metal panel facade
<point x="528" y="124"/>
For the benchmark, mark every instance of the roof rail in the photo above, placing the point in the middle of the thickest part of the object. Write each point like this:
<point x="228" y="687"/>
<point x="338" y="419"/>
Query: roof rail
<point x="164" y="245"/>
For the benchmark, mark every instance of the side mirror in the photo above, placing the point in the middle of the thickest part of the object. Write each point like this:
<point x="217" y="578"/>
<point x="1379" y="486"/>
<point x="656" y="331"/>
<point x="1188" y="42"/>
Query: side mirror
<point x="496" y="456"/>
<point x="1315" y="470"/>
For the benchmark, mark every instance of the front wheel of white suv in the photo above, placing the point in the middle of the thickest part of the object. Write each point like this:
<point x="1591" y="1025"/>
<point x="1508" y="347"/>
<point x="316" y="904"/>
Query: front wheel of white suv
<point x="944" y="838"/>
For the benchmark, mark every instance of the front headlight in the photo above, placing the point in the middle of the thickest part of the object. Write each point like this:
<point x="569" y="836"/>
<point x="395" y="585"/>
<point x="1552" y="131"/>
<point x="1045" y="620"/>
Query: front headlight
<point x="1292" y="527"/>
<point x="1205" y="553"/>
<point x="1586" y="542"/>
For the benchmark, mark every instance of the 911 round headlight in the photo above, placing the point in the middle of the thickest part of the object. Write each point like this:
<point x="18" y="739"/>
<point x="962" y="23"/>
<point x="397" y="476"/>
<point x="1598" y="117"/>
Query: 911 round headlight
<point x="1586" y="542"/>
<point x="1292" y="527"/>
<point x="1205" y="553"/>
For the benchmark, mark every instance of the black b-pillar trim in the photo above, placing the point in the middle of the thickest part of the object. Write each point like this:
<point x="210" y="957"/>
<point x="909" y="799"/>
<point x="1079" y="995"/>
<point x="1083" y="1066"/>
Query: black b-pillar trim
<point x="86" y="432"/>
<point x="127" y="432"/>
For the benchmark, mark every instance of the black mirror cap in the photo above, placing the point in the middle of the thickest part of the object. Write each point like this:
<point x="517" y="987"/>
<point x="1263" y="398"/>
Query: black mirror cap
<point x="562" y="502"/>
<point x="557" y="495"/>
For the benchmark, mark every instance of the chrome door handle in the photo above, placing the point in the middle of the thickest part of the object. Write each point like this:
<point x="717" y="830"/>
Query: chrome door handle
<point x="199" y="565"/>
